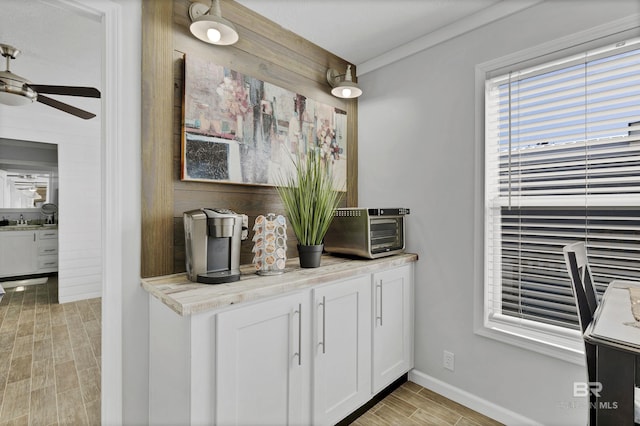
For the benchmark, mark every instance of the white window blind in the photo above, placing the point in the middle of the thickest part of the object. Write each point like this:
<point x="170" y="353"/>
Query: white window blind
<point x="562" y="164"/>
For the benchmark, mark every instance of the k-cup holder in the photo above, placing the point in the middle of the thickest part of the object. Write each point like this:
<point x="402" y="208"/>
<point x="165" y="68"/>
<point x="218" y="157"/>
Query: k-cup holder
<point x="270" y="244"/>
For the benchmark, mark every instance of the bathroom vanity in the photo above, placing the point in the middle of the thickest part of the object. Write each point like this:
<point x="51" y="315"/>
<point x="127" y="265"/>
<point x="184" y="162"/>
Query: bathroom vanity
<point x="309" y="346"/>
<point x="28" y="250"/>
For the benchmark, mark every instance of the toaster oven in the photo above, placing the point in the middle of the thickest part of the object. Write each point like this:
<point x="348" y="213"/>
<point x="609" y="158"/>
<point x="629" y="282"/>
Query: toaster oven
<point x="365" y="232"/>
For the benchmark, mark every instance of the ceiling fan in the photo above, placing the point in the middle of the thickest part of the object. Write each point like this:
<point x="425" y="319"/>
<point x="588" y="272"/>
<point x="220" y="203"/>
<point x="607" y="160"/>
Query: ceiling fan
<point x="16" y="90"/>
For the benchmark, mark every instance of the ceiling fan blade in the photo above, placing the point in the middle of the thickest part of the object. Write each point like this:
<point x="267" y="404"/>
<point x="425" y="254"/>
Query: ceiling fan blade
<point x="87" y="92"/>
<point x="65" y="107"/>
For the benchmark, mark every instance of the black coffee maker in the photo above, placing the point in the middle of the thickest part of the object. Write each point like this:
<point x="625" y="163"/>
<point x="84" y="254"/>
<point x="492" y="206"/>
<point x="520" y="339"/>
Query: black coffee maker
<point x="212" y="240"/>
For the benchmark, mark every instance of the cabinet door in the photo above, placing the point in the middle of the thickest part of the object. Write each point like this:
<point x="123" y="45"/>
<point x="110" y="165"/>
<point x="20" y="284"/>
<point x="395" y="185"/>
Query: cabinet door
<point x="263" y="363"/>
<point x="19" y="253"/>
<point x="342" y="346"/>
<point x="392" y="325"/>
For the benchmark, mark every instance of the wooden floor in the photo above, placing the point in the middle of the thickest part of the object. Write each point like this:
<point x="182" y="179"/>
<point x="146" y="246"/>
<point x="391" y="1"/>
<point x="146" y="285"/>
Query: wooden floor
<point x="49" y="358"/>
<point x="50" y="369"/>
<point x="411" y="404"/>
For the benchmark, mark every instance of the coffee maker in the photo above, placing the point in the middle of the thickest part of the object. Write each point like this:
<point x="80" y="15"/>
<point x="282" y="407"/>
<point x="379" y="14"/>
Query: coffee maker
<point x="212" y="240"/>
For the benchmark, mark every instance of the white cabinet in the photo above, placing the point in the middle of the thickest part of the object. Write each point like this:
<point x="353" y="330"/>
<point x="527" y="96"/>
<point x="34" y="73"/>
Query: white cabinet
<point x="393" y="325"/>
<point x="47" y="250"/>
<point x="274" y="357"/>
<point x="342" y="349"/>
<point x="19" y="251"/>
<point x="28" y="252"/>
<point x="263" y="363"/>
<point x="310" y="356"/>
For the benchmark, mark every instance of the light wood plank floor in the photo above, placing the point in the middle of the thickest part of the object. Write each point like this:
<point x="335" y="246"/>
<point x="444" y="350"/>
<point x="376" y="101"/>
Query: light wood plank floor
<point x="411" y="404"/>
<point x="49" y="358"/>
<point x="50" y="369"/>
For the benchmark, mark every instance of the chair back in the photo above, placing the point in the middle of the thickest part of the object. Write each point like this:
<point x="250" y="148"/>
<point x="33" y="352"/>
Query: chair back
<point x="575" y="257"/>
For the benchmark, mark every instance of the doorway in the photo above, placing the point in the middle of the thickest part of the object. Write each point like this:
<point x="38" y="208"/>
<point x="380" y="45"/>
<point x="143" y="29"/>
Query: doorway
<point x="69" y="136"/>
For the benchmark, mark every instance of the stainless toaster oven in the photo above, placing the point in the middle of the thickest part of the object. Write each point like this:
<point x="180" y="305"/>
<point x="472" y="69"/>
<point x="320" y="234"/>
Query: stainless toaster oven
<point x="364" y="232"/>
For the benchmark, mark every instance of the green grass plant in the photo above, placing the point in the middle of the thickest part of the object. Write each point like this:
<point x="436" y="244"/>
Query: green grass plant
<point x="309" y="198"/>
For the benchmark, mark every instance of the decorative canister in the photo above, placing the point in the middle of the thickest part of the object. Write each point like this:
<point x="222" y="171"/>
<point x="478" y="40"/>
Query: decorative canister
<point x="270" y="244"/>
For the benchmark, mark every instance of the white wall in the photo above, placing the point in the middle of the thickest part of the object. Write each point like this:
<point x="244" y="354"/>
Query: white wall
<point x="416" y="149"/>
<point x="134" y="300"/>
<point x="79" y="193"/>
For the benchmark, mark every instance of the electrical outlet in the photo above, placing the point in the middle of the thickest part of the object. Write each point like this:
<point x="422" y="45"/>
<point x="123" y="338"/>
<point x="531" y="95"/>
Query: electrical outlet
<point x="448" y="361"/>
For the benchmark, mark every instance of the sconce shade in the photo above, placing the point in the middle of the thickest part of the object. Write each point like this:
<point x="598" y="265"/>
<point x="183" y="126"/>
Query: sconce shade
<point x="343" y="88"/>
<point x="209" y="26"/>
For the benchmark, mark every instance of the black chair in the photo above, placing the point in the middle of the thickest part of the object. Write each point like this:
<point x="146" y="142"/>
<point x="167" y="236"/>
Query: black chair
<point x="575" y="257"/>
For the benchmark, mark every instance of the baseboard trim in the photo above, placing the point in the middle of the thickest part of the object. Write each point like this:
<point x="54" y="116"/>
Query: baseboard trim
<point x="10" y="282"/>
<point x="469" y="400"/>
<point x="78" y="297"/>
<point x="373" y="401"/>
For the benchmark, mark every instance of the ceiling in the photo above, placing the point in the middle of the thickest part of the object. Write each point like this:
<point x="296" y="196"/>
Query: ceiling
<point x="368" y="33"/>
<point x="373" y="33"/>
<point x="58" y="46"/>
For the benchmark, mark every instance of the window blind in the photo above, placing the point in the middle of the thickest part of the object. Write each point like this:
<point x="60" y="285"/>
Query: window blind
<point x="562" y="163"/>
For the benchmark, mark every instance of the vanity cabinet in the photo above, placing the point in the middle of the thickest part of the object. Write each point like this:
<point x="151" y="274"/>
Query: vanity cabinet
<point x="18" y="253"/>
<point x="47" y="250"/>
<point x="28" y="252"/>
<point x="308" y="355"/>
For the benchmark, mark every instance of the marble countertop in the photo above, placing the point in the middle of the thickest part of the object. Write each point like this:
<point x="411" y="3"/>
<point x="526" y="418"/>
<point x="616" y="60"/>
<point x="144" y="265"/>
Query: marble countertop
<point x="186" y="297"/>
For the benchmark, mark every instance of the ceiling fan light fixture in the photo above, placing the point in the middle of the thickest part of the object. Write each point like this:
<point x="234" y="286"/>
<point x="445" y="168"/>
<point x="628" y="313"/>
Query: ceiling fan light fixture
<point x="11" y="99"/>
<point x="14" y="90"/>
<point x="343" y="88"/>
<point x="17" y="91"/>
<point x="209" y="26"/>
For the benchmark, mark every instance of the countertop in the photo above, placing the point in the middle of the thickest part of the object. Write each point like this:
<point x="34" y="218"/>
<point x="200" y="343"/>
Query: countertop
<point x="614" y="322"/>
<point x="27" y="228"/>
<point x="186" y="297"/>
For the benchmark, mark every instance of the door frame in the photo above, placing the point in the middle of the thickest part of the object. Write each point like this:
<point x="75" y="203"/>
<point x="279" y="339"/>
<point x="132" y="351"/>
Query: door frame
<point x="113" y="106"/>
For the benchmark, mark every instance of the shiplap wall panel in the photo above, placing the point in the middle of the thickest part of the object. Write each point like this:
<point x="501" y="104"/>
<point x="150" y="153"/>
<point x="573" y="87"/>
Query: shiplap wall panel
<point x="79" y="199"/>
<point x="265" y="51"/>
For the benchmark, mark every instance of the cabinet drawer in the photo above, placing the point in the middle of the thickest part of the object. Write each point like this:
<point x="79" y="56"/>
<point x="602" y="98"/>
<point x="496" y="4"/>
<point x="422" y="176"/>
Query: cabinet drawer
<point x="47" y="235"/>
<point x="47" y="262"/>
<point x="47" y="249"/>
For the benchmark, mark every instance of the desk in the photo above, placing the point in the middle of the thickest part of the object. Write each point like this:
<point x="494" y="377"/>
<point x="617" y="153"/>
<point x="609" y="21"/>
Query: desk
<point x="617" y="353"/>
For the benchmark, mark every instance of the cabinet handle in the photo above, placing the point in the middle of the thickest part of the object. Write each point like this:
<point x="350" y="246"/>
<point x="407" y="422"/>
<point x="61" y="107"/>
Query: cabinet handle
<point x="299" y="353"/>
<point x="379" y="312"/>
<point x="34" y="237"/>
<point x="324" y="323"/>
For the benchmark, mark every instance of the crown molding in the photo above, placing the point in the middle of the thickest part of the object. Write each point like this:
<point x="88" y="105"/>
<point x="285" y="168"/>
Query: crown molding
<point x="470" y="23"/>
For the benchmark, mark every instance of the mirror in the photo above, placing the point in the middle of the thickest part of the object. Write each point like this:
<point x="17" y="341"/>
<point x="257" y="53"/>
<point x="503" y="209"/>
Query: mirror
<point x="28" y="174"/>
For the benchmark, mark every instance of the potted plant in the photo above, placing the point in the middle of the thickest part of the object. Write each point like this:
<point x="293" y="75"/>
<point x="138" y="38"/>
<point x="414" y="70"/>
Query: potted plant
<point x="309" y="200"/>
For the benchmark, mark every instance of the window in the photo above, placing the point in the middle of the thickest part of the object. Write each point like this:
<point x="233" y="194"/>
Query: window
<point x="562" y="163"/>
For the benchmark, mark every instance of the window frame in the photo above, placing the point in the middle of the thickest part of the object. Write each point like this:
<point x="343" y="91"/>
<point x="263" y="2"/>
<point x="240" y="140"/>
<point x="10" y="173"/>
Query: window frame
<point x="568" y="345"/>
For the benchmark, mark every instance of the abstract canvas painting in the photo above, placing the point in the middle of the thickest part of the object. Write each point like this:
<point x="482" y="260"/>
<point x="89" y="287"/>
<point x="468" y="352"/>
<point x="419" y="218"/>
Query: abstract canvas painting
<point x="238" y="129"/>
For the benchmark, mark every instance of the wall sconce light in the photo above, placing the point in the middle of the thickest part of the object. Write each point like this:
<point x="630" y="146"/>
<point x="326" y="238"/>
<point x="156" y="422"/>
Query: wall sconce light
<point x="209" y="26"/>
<point x="344" y="88"/>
